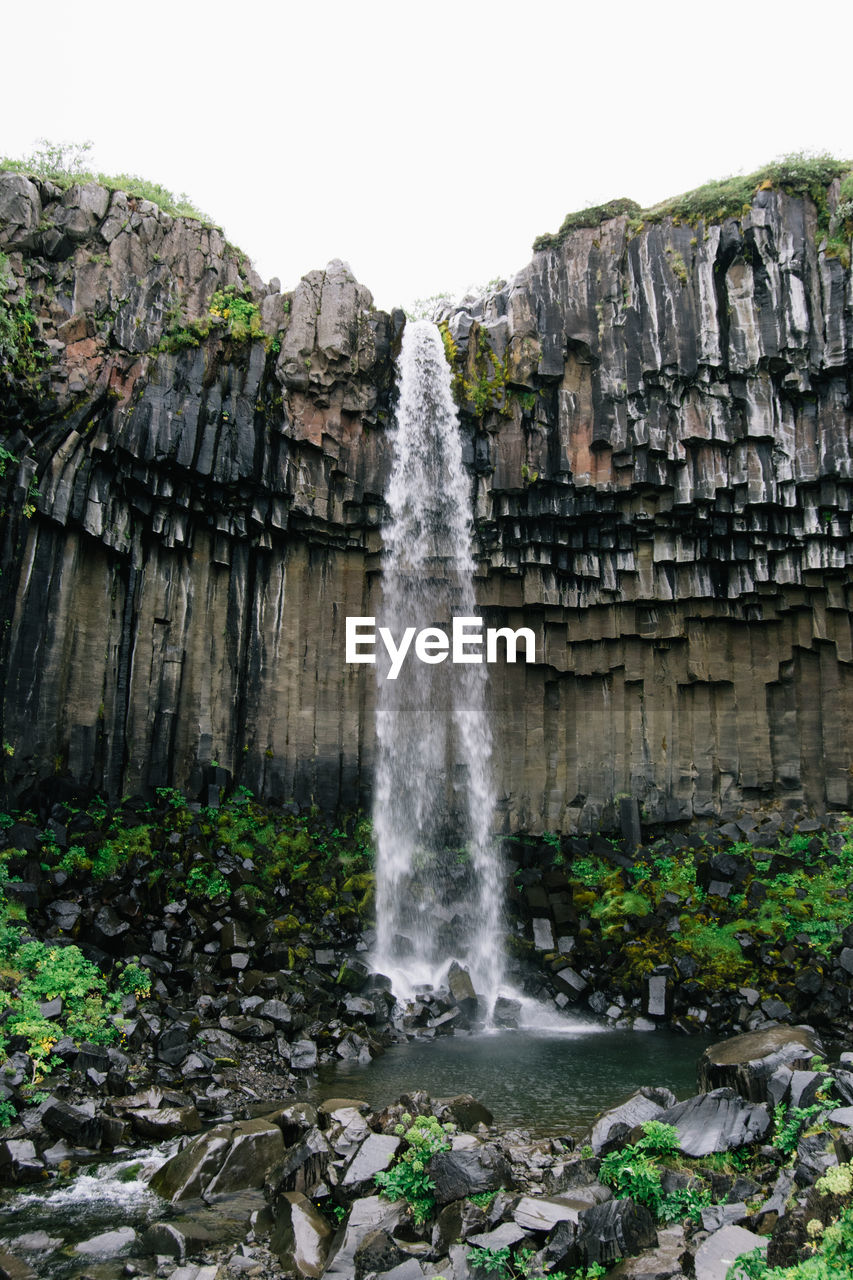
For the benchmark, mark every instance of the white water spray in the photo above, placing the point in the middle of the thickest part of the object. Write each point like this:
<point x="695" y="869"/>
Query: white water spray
<point x="434" y="744"/>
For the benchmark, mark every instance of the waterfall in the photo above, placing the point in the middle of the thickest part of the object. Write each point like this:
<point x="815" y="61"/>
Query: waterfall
<point x="434" y="744"/>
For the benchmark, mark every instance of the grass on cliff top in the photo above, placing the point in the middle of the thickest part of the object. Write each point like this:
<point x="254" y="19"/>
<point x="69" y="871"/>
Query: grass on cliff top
<point x="65" y="163"/>
<point x="798" y="174"/>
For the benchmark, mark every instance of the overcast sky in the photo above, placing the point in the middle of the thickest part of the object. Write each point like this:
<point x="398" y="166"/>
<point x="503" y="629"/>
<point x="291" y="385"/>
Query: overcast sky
<point x="428" y="143"/>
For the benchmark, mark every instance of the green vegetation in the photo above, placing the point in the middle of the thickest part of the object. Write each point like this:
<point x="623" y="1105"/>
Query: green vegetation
<point x="241" y="315"/>
<point x="20" y="353"/>
<point x="795" y="893"/>
<point x="798" y="175"/>
<point x="832" y="1257"/>
<point x="177" y="851"/>
<point x="522" y="1266"/>
<point x="409" y="1179"/>
<point x="636" y="1172"/>
<point x="591" y="217"/>
<point x="231" y="310"/>
<point x="482" y="384"/>
<point x="791" y="1123"/>
<point x="31" y="973"/>
<point x="66" y="163"/>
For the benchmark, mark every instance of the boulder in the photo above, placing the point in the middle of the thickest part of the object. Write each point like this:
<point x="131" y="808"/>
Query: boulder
<point x="79" y="1124"/>
<point x="226" y="1159"/>
<point x="108" y="1243"/>
<point x="661" y="1263"/>
<point x="19" y="1162"/>
<point x="612" y="1130"/>
<point x="160" y="1123"/>
<point x="304" y="1165"/>
<point x="368" y="1214"/>
<point x="603" y="1234"/>
<point x="464" y="1173"/>
<point x="12" y="1268"/>
<point x="375" y="1154"/>
<point x="301" y="1236"/>
<point x="717" y="1121"/>
<point x="377" y="1252"/>
<point x="716" y="1254"/>
<point x="747" y="1062"/>
<point x="465" y="1112"/>
<point x="462" y="989"/>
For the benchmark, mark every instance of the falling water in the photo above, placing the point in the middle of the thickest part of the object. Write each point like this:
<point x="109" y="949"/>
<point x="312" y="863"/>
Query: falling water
<point x="433" y="777"/>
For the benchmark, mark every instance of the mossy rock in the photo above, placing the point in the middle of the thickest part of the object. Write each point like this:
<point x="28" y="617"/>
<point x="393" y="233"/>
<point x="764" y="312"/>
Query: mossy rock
<point x="287" y="926"/>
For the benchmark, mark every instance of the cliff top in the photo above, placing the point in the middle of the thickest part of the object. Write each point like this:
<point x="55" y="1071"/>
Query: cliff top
<point x="797" y="174"/>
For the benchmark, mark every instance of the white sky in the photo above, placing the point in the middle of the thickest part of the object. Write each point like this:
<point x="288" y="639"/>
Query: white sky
<point x="427" y="143"/>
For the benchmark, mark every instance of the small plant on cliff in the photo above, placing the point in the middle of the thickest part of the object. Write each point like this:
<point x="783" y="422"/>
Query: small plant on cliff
<point x="241" y="315"/>
<point x="409" y="1179"/>
<point x="19" y="349"/>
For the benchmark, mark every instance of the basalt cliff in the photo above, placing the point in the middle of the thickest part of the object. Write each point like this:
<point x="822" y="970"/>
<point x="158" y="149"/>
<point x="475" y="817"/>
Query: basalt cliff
<point x="658" y="427"/>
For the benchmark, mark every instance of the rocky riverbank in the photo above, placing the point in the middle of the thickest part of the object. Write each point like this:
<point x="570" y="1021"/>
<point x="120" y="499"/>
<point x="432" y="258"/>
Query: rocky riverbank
<point x="756" y="1162"/>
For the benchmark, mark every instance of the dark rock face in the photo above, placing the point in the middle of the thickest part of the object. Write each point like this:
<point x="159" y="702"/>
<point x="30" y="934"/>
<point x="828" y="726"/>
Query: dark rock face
<point x="717" y="1121"/>
<point x="464" y="1173"/>
<point x="661" y="469"/>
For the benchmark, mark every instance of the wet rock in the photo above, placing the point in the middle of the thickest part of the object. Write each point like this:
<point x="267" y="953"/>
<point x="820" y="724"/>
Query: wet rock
<point x="462" y="990"/>
<point x="368" y="1214"/>
<point x="613" y="1129"/>
<point x="507" y="1012"/>
<point x="248" y="1028"/>
<point x="604" y="1233"/>
<point x="374" y="1155"/>
<point x="79" y="1124"/>
<point x="464" y="1173"/>
<point x="108" y="1243"/>
<point x="188" y="1235"/>
<point x="19" y="1162"/>
<point x="301" y="1237"/>
<point x="717" y="1121"/>
<point x="570" y="983"/>
<point x="465" y="1112"/>
<point x="716" y="1254"/>
<point x="747" y="1062"/>
<point x="304" y="1165"/>
<point x="220" y="1044"/>
<point x="377" y="1252"/>
<point x="159" y="1123"/>
<point x="173" y="1045"/>
<point x="227" y="1159"/>
<point x="353" y="976"/>
<point x="303" y="1056"/>
<point x="12" y="1268"/>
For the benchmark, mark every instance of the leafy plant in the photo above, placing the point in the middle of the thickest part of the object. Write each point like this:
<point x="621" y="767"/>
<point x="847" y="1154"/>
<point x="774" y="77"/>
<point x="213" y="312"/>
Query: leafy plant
<point x="635" y="1172"/>
<point x="206" y="882"/>
<point x="789" y="1124"/>
<point x="409" y="1179"/>
<point x="241" y="315"/>
<point x="832" y="1257"/>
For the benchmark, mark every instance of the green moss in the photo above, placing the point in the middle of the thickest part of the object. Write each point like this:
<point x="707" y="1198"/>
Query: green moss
<point x="591" y="217"/>
<point x="797" y="174"/>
